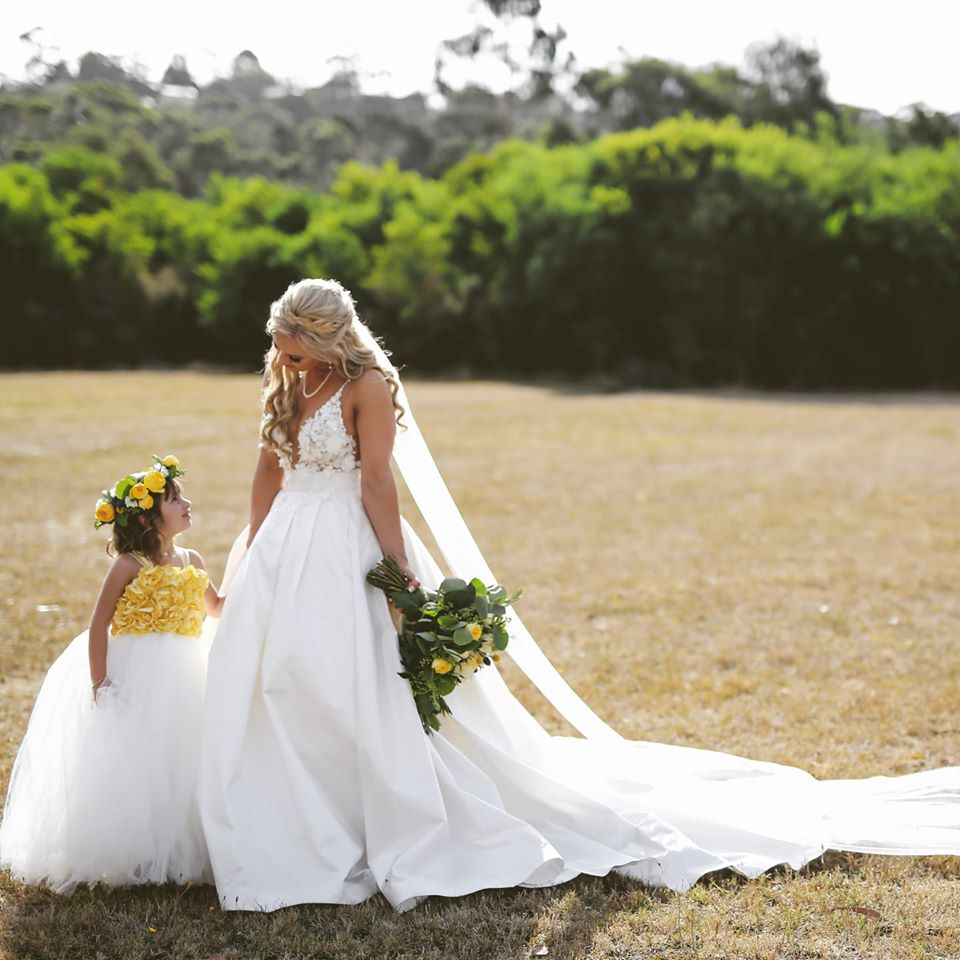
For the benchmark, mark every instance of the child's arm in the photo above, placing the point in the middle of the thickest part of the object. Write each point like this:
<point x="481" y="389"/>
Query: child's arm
<point x="212" y="599"/>
<point x="267" y="481"/>
<point x="124" y="569"/>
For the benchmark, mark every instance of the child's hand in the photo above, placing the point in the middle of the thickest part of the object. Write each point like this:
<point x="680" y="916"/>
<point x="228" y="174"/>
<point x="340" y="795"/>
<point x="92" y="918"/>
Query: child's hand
<point x="99" y="685"/>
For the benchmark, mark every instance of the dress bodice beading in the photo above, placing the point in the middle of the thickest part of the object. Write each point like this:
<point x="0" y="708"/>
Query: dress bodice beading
<point x="326" y="454"/>
<point x="162" y="599"/>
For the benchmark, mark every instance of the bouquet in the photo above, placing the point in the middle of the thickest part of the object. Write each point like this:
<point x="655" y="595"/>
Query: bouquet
<point x="444" y="635"/>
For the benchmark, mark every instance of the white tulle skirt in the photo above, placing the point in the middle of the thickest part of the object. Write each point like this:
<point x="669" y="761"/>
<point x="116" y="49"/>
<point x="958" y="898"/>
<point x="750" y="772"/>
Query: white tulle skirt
<point x="106" y="793"/>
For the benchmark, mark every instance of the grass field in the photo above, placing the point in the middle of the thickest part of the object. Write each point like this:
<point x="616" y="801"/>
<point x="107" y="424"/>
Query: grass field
<point x="770" y="576"/>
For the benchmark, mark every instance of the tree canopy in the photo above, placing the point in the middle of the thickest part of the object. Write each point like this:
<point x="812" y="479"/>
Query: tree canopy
<point x="691" y="252"/>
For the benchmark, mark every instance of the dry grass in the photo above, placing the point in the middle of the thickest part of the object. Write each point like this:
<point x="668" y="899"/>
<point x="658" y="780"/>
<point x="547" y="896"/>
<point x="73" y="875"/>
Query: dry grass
<point x="768" y="576"/>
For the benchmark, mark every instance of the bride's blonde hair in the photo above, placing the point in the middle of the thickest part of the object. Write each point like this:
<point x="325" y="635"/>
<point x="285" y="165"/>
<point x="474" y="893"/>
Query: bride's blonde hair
<point x="321" y="316"/>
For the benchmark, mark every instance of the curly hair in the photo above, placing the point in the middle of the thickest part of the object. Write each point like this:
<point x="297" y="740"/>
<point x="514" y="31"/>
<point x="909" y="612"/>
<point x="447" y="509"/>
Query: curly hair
<point x="320" y="315"/>
<point x="141" y="535"/>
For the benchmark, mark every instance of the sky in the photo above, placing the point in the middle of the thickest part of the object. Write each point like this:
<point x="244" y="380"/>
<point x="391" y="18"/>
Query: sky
<point x="884" y="54"/>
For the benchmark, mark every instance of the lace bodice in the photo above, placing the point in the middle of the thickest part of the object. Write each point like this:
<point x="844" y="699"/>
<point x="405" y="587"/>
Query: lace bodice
<point x="323" y="445"/>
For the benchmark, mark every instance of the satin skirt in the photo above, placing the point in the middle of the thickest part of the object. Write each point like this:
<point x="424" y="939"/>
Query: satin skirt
<point x="318" y="785"/>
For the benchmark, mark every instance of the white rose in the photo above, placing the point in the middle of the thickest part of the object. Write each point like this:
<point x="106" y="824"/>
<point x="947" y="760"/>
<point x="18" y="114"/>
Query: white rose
<point x="160" y="468"/>
<point x="130" y="502"/>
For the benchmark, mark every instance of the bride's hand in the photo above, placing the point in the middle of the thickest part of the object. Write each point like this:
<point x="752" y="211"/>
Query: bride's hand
<point x="412" y="580"/>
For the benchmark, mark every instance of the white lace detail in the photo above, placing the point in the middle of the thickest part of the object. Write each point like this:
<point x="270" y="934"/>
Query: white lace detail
<point x="323" y="445"/>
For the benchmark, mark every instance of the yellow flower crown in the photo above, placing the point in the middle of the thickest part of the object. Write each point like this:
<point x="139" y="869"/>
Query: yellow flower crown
<point x="134" y="493"/>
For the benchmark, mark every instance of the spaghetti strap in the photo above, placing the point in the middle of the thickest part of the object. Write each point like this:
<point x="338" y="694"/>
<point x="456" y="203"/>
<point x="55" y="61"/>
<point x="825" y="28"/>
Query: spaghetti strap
<point x="140" y="558"/>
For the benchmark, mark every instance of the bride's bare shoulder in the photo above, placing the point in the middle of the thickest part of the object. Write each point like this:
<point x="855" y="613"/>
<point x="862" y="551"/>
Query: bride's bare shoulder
<point x="370" y="387"/>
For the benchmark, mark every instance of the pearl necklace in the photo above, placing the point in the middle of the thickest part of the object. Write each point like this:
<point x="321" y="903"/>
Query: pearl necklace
<point x="313" y="393"/>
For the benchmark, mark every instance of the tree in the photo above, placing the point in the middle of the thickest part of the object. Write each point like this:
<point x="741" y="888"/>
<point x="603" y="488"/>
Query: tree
<point x="96" y="66"/>
<point x="547" y="74"/>
<point x="789" y="84"/>
<point x="40" y="263"/>
<point x="44" y="65"/>
<point x="80" y="176"/>
<point x="923" y="127"/>
<point x="178" y="75"/>
<point x="142" y="166"/>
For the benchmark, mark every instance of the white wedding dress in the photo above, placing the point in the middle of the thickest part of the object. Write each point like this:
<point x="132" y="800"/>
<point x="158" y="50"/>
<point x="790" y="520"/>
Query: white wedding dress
<point x="317" y="783"/>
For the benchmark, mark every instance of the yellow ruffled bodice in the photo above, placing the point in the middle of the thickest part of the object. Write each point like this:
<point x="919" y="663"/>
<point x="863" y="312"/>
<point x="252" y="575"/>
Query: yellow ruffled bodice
<point x="164" y="599"/>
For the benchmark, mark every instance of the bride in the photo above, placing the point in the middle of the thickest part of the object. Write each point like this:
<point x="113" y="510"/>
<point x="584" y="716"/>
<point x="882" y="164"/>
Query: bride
<point x="317" y="783"/>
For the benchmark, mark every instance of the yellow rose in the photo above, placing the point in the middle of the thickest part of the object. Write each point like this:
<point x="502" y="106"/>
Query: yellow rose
<point x="146" y="502"/>
<point x="170" y="461"/>
<point x="471" y="662"/>
<point x="476" y="631"/>
<point x="138" y="491"/>
<point x="154" y="481"/>
<point x="440" y="665"/>
<point x="104" y="512"/>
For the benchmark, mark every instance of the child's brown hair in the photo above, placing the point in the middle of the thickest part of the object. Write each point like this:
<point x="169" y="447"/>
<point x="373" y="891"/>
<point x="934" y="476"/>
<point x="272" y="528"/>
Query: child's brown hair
<point x="140" y="535"/>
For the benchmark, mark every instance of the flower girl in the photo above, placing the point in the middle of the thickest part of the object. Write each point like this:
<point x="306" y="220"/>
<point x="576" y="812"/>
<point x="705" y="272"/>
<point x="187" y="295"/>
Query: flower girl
<point x="103" y="786"/>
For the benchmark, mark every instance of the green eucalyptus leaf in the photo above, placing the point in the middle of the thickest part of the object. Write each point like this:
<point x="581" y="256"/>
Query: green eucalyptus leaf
<point x="452" y="584"/>
<point x="462" y="637"/>
<point x="407" y="602"/>
<point x="463" y="598"/>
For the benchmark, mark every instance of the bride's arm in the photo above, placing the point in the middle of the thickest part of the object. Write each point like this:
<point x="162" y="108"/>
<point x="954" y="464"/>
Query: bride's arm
<point x="376" y="426"/>
<point x="267" y="480"/>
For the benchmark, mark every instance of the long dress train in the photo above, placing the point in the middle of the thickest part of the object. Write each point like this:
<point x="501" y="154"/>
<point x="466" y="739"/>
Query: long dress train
<point x="317" y="783"/>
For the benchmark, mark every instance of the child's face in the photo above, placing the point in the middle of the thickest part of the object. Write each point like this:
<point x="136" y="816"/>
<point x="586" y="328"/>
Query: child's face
<point x="174" y="514"/>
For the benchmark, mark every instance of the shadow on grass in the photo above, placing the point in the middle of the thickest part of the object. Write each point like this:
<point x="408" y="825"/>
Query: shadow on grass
<point x="571" y="921"/>
<point x="169" y="921"/>
<point x="588" y="916"/>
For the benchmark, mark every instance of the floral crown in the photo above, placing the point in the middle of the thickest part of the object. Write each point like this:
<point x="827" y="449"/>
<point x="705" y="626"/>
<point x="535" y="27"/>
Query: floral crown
<point x="133" y="494"/>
